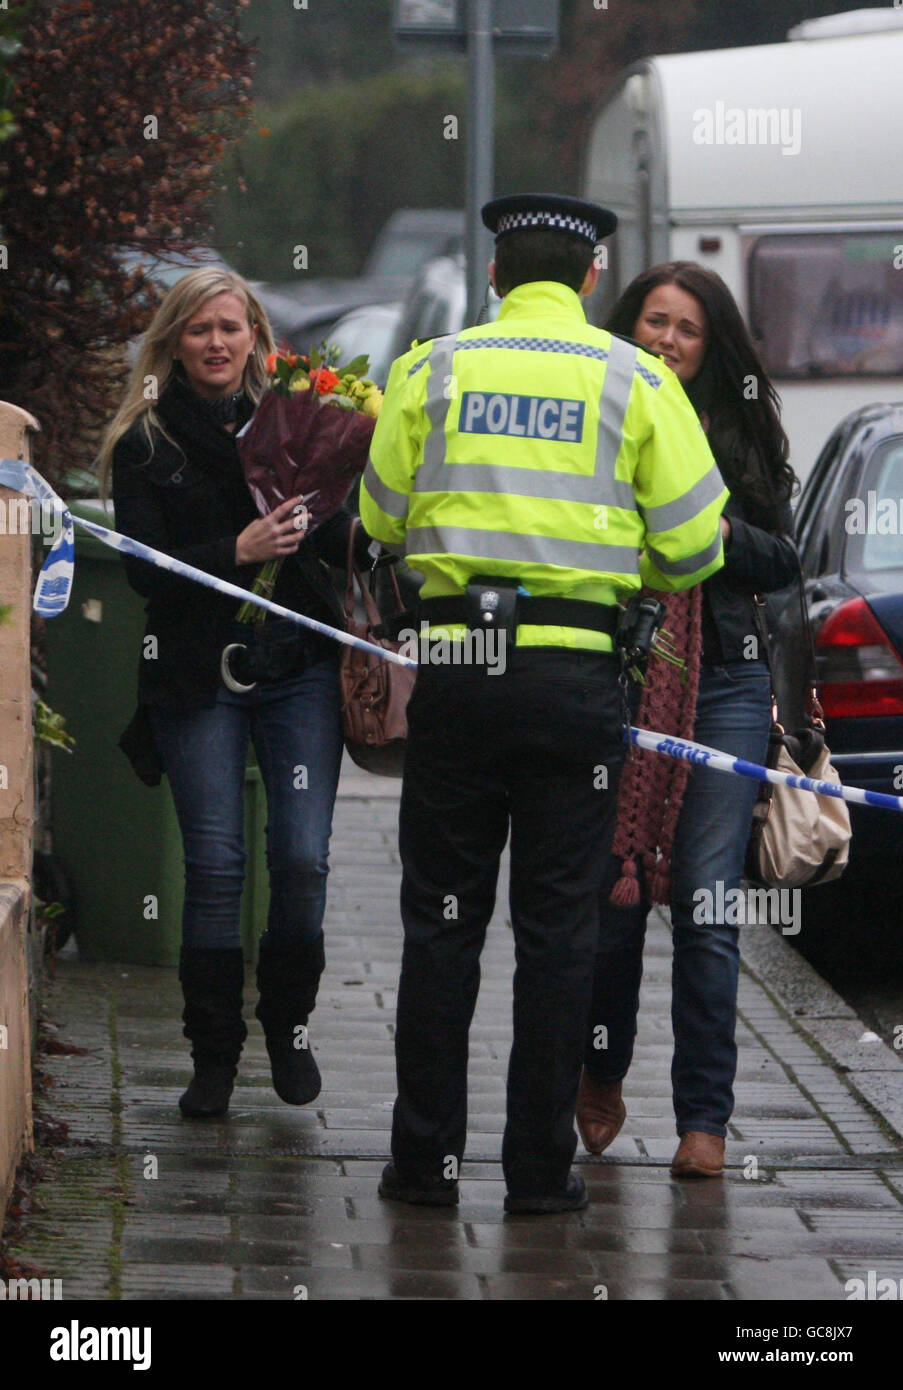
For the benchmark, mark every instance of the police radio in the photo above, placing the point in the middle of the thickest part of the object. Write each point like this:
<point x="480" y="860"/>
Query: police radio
<point x="637" y="626"/>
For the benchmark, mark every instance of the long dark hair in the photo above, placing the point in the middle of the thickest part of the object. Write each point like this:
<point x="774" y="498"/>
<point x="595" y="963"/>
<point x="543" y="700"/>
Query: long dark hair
<point x="746" y="435"/>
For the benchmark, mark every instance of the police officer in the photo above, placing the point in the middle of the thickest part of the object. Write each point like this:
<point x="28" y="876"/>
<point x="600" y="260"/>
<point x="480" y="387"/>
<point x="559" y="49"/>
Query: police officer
<point x="536" y="471"/>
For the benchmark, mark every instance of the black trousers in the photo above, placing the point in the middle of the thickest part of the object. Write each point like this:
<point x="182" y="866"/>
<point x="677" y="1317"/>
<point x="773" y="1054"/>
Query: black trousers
<point x="538" y="747"/>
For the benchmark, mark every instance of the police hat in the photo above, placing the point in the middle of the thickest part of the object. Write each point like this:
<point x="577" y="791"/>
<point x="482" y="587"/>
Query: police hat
<point x="549" y="211"/>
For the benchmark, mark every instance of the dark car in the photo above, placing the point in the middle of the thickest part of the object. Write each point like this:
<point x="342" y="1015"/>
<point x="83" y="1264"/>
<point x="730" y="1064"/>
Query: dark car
<point x="304" y="311"/>
<point x="411" y="237"/>
<point x="437" y="302"/>
<point x="850" y="531"/>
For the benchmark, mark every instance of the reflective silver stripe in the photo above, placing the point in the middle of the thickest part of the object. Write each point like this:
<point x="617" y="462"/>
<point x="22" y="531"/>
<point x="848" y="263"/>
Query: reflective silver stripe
<point x="396" y="547"/>
<point x="690" y="563"/>
<point x="671" y="514"/>
<point x="551" y="484"/>
<point x="437" y="405"/>
<point x="517" y="548"/>
<point x="531" y="482"/>
<point x="386" y="498"/>
<point x="619" y="373"/>
<point x="601" y="488"/>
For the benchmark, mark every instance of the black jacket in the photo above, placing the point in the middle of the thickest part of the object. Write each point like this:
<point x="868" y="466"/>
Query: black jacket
<point x="756" y="561"/>
<point x="190" y="500"/>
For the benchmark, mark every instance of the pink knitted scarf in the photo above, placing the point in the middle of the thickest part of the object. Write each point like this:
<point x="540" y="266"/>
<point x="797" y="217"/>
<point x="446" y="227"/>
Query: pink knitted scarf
<point x="652" y="787"/>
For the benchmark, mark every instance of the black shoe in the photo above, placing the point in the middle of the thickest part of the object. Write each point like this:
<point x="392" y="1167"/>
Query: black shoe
<point x="208" y="1091"/>
<point x="573" y="1198"/>
<point x="433" y="1193"/>
<point x="212" y="985"/>
<point x="288" y="977"/>
<point x="296" y="1076"/>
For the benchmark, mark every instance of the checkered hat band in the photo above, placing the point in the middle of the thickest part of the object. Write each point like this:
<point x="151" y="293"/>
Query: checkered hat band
<point x="534" y="345"/>
<point x="559" y="221"/>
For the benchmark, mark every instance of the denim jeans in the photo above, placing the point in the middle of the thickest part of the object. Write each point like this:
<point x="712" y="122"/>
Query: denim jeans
<point x="733" y="713"/>
<point x="295" y="727"/>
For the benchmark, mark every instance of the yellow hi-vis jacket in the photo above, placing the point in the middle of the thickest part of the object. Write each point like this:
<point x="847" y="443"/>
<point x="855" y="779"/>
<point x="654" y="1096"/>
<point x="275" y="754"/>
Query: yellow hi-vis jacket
<point x="543" y="449"/>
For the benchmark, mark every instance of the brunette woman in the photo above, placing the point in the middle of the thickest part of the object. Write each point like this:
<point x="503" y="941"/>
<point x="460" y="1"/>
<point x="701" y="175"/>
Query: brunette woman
<point x="687" y="315"/>
<point x="178" y="486"/>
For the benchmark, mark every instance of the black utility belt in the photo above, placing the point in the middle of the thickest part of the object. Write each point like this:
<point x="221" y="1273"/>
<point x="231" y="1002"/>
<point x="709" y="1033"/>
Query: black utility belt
<point x="261" y="653"/>
<point x="494" y="604"/>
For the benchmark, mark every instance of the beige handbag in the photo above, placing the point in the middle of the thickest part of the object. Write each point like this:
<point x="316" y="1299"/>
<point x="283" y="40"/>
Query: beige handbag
<point x="798" y="838"/>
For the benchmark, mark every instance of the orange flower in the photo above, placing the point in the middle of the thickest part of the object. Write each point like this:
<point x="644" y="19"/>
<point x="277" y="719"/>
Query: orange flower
<point x="324" y="380"/>
<point x="271" y="362"/>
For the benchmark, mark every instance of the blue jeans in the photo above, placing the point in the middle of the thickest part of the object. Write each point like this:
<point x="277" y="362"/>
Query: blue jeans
<point x="733" y="713"/>
<point x="296" y="729"/>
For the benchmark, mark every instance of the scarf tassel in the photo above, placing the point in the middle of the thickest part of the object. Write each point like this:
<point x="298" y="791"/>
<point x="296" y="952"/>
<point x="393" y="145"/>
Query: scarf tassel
<point x="626" y="892"/>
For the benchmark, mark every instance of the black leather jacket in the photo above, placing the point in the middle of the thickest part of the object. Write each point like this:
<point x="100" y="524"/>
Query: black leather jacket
<point x="192" y="505"/>
<point x="756" y="561"/>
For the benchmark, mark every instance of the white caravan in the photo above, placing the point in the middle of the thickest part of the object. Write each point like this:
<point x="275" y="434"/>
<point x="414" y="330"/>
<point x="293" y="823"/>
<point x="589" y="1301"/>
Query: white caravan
<point x="780" y="166"/>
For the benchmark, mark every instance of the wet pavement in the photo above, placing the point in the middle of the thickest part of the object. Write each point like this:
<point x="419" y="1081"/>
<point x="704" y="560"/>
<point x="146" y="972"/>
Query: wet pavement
<point x="281" y="1203"/>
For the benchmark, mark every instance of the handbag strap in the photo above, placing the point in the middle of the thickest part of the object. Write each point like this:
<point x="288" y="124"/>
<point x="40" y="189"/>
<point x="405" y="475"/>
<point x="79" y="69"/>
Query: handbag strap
<point x="353" y="575"/>
<point x="811" y="703"/>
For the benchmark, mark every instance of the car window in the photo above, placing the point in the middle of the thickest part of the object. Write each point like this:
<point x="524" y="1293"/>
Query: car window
<point x="873" y="520"/>
<point x="812" y="516"/>
<point x="828" y="304"/>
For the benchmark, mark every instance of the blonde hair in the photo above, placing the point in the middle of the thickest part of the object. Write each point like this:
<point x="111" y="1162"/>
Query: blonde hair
<point x="156" y="359"/>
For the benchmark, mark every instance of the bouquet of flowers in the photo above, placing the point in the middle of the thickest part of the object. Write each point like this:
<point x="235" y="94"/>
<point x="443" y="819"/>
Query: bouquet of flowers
<point x="310" y="436"/>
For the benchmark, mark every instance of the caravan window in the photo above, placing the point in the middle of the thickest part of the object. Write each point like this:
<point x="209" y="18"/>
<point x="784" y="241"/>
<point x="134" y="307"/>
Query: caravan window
<point x="829" y="304"/>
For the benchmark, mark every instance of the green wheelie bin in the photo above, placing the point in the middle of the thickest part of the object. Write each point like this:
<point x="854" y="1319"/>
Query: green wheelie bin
<point x="118" y="838"/>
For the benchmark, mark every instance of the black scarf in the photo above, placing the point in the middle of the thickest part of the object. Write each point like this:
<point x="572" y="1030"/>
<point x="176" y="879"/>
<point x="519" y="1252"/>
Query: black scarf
<point x="198" y="425"/>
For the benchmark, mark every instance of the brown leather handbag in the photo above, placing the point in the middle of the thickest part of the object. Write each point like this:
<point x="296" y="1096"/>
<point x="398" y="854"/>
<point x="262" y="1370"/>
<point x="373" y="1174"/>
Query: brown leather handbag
<point x="375" y="693"/>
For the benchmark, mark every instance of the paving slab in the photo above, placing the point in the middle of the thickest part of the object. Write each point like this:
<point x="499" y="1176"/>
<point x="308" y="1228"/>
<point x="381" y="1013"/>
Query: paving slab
<point x="276" y="1203"/>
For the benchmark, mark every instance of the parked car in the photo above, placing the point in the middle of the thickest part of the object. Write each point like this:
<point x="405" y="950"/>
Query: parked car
<point x="437" y="302"/>
<point x="306" y="310"/>
<point x="850" y="531"/>
<point x="411" y="237"/>
<point x="303" y="314"/>
<point x="370" y="329"/>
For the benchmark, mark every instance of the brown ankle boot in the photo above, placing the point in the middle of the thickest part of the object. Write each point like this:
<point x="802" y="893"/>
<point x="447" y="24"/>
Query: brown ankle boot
<point x="699" y="1155"/>
<point x="600" y="1112"/>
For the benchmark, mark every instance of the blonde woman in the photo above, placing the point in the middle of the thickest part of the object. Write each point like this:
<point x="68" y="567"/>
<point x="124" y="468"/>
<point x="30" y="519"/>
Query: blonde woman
<point x="178" y="486"/>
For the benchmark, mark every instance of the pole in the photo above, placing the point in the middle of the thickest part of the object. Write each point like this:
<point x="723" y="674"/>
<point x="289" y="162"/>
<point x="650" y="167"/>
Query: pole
<point x="480" y="162"/>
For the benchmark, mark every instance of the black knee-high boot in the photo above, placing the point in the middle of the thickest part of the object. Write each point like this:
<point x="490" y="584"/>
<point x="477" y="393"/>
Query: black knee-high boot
<point x="287" y="977"/>
<point x="212" y="983"/>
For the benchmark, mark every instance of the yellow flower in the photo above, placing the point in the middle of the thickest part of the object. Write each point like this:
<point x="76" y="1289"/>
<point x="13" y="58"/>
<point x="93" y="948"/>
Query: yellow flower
<point x="373" y="403"/>
<point x="299" y="381"/>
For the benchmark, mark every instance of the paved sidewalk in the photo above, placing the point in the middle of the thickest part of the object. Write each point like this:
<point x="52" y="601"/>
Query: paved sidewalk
<point x="281" y="1203"/>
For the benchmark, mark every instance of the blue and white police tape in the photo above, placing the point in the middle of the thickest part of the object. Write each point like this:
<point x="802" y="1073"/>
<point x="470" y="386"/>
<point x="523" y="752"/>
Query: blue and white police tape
<point x="55" y="585"/>
<point x="699" y="753"/>
<point x="55" y="580"/>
